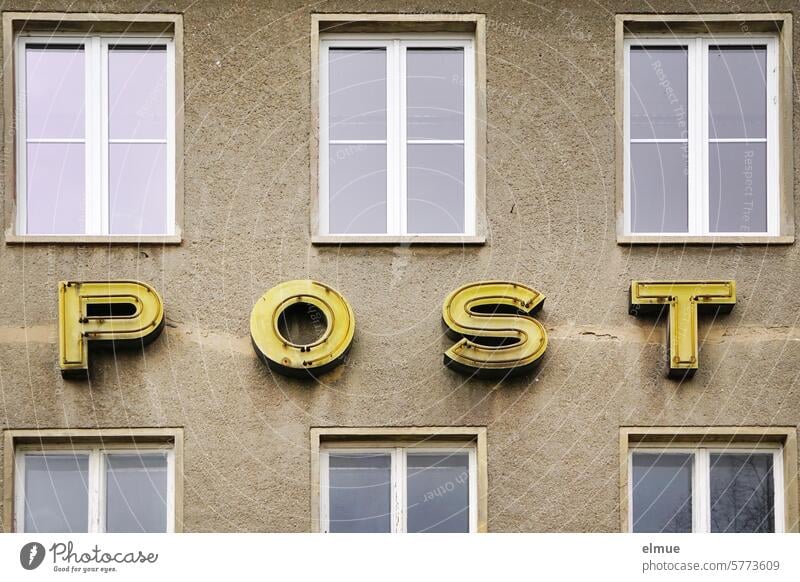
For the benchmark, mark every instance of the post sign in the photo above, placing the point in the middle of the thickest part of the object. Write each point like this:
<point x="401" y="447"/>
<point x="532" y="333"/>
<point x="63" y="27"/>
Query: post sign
<point x="497" y="334"/>
<point x="118" y="313"/>
<point x="683" y="299"/>
<point x="492" y="321"/>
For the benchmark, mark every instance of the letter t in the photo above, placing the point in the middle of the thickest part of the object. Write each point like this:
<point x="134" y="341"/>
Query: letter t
<point x="683" y="299"/>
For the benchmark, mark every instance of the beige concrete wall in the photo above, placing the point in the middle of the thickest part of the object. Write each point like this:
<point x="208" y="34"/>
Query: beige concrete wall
<point x="553" y="455"/>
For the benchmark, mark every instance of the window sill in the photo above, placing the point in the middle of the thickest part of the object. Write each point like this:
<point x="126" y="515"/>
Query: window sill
<point x="337" y="239"/>
<point x="638" y="239"/>
<point x="173" y="239"/>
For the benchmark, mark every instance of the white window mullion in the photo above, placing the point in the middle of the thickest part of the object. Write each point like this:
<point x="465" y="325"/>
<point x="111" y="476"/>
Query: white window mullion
<point x="773" y="139"/>
<point x="701" y="494"/>
<point x="102" y="490"/>
<point x="324" y="146"/>
<point x="95" y="477"/>
<point x="399" y="517"/>
<point x="19" y="492"/>
<point x="94" y="136"/>
<point x="171" y="147"/>
<point x="698" y="142"/>
<point x="396" y="136"/>
<point x="470" y="151"/>
<point x="324" y="492"/>
<point x="22" y="133"/>
<point x="472" y="478"/>
<point x="779" y="512"/>
<point x="170" y="491"/>
<point x="626" y="125"/>
<point x="103" y="135"/>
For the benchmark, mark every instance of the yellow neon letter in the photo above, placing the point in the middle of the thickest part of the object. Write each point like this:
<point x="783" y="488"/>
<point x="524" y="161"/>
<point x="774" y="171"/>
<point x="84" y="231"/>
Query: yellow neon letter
<point x="285" y="357"/>
<point x="498" y="335"/>
<point x="104" y="313"/>
<point x="683" y="298"/>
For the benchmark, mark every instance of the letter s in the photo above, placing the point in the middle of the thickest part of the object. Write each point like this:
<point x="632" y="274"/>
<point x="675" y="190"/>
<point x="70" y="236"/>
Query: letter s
<point x="104" y="312"/>
<point x="499" y="337"/>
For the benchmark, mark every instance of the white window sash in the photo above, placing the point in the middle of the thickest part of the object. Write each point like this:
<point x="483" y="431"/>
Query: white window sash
<point x="96" y="140"/>
<point x="396" y="143"/>
<point x="96" y="480"/>
<point x="698" y="140"/>
<point x="399" y="476"/>
<point x="701" y="481"/>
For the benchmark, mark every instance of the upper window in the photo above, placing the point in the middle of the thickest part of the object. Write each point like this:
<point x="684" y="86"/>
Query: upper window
<point x="701" y="136"/>
<point x="706" y="490"/>
<point x="74" y="489"/>
<point x="397" y="136"/>
<point x="96" y="135"/>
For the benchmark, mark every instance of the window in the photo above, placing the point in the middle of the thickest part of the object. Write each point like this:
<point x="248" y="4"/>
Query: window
<point x="701" y="135"/>
<point x="709" y="479"/>
<point x="399" y="480"/>
<point x="398" y="490"/>
<point x="80" y="484"/>
<point x="706" y="490"/>
<point x="397" y="135"/>
<point x="96" y="140"/>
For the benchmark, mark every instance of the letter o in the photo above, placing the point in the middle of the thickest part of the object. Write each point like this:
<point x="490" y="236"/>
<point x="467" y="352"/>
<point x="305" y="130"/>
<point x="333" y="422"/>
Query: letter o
<point x="285" y="357"/>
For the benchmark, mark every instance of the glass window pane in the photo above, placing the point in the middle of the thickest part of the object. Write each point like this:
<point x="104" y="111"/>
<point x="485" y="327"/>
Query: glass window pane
<point x="659" y="187"/>
<point x="357" y="93"/>
<point x="138" y="189"/>
<point x="737" y="176"/>
<point x="55" y="88"/>
<point x="56" y="493"/>
<point x="662" y="493"/>
<point x="438" y="492"/>
<point x="742" y="493"/>
<point x="659" y="92"/>
<point x="737" y="91"/>
<point x="435" y="188"/>
<point x="136" y="493"/>
<point x="435" y="93"/>
<point x="137" y="92"/>
<point x="55" y="197"/>
<point x="360" y="492"/>
<point x="357" y="189"/>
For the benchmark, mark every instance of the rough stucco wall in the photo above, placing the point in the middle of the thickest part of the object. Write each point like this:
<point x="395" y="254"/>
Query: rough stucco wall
<point x="553" y="437"/>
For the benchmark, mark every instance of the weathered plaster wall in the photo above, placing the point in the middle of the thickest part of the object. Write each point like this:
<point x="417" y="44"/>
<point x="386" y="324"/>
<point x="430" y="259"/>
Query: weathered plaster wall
<point x="553" y="449"/>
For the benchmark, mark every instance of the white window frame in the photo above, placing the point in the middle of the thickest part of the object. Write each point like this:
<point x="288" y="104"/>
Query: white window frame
<point x="698" y="139"/>
<point x="96" y="137"/>
<point x="396" y="141"/>
<point x="96" y="477"/>
<point x="701" y="481"/>
<point x="399" y="475"/>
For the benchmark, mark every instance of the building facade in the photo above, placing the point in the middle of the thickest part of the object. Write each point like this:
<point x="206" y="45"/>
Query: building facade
<point x="397" y="153"/>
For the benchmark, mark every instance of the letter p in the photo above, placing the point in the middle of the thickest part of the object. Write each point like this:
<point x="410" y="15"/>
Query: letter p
<point x="106" y="313"/>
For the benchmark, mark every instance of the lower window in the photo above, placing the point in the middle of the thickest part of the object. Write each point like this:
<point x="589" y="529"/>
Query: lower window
<point x="74" y="488"/>
<point x="706" y="489"/>
<point x="409" y="488"/>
